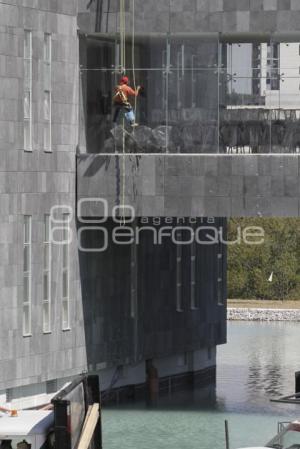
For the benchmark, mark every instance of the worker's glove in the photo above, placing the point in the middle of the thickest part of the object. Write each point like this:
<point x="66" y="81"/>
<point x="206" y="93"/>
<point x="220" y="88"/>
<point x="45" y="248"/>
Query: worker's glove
<point x="142" y="91"/>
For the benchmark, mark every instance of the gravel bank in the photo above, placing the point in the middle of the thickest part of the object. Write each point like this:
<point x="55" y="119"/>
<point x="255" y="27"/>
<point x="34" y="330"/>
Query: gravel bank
<point x="243" y="314"/>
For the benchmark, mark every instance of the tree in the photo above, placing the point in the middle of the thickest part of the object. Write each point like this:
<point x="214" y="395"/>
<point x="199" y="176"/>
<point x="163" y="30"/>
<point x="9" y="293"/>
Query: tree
<point x="249" y="266"/>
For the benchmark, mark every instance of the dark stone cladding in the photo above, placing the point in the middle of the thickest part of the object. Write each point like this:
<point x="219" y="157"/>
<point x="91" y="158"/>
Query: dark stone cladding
<point x="118" y="333"/>
<point x="169" y="384"/>
<point x="219" y="16"/>
<point x="192" y="185"/>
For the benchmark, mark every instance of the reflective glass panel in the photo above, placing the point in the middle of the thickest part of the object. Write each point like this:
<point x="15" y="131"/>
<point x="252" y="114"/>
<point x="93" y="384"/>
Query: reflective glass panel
<point x="46" y="105"/>
<point x="193" y="111"/>
<point x="198" y="95"/>
<point x="65" y="314"/>
<point x="261" y="89"/>
<point x="47" y="47"/>
<point x="65" y="288"/>
<point x="26" y="288"/>
<point x="27" y="229"/>
<point x="46" y="286"/>
<point x="27" y="44"/>
<point x="26" y="319"/>
<point x="27" y="105"/>
<point x="46" y="317"/>
<point x="26" y="267"/>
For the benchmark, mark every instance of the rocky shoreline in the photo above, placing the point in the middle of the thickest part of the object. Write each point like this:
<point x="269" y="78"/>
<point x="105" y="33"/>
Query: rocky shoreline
<point x="249" y="314"/>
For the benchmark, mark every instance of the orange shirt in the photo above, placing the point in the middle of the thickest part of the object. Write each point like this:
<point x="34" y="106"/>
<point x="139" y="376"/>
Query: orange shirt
<point x="128" y="91"/>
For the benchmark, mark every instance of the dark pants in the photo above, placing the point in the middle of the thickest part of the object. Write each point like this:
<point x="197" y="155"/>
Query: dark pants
<point x="126" y="110"/>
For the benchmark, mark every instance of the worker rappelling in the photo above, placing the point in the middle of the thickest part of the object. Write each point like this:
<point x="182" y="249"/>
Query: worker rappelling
<point x="121" y="103"/>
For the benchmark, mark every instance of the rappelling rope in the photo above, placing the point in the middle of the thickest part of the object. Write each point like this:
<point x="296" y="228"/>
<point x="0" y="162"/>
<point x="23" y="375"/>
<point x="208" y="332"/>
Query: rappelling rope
<point x="122" y="36"/>
<point x="133" y="54"/>
<point x="123" y="176"/>
<point x="123" y="69"/>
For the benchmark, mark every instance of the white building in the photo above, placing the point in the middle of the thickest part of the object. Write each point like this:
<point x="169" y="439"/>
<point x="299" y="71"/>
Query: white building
<point x="265" y="75"/>
<point x="281" y="60"/>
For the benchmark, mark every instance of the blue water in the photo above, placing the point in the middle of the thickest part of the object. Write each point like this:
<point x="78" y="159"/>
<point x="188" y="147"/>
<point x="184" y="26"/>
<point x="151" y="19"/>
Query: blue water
<point x="257" y="364"/>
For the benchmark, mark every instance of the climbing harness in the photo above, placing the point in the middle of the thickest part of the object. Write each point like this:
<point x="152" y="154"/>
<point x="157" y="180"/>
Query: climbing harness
<point x="120" y="97"/>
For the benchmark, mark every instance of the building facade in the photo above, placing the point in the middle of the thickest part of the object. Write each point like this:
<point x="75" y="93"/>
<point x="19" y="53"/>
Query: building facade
<point x="66" y="310"/>
<point x="42" y="337"/>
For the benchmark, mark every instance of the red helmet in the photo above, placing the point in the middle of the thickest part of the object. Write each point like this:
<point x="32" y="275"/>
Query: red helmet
<point x="124" y="80"/>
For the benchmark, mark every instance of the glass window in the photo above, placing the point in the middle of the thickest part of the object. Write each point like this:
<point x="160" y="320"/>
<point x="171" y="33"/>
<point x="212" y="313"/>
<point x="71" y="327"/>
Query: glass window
<point x="27" y="122"/>
<point x="199" y="94"/>
<point x="287" y="438"/>
<point x="47" y="121"/>
<point x="47" y="47"/>
<point x="179" y="305"/>
<point x="47" y="92"/>
<point x="27" y="105"/>
<point x="209" y="353"/>
<point x="47" y="273"/>
<point x="65" y="314"/>
<point x="220" y="275"/>
<point x="27" y="44"/>
<point x="261" y="100"/>
<point x="15" y="443"/>
<point x="194" y="302"/>
<point x="26" y="287"/>
<point x="46" y="317"/>
<point x="65" y="274"/>
<point x="27" y="232"/>
<point x="46" y="105"/>
<point x="27" y="255"/>
<point x="182" y="360"/>
<point x="133" y="302"/>
<point x="27" y="73"/>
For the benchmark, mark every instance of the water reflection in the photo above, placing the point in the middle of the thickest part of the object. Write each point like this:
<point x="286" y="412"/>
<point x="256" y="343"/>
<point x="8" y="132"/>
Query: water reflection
<point x="257" y="364"/>
<point x="261" y="366"/>
<point x="264" y="368"/>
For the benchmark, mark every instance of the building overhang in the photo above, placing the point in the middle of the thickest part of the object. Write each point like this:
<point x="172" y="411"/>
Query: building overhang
<point x="183" y="185"/>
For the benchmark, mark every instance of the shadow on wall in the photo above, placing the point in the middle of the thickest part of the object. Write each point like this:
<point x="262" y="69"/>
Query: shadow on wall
<point x="131" y="302"/>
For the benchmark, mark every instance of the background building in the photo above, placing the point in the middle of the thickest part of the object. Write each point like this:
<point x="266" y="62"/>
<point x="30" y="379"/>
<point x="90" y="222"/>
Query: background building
<point x="267" y="74"/>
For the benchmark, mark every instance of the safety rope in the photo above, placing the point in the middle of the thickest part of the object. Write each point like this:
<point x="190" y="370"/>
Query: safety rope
<point x="123" y="176"/>
<point x="133" y="55"/>
<point x="122" y="36"/>
<point x="123" y="69"/>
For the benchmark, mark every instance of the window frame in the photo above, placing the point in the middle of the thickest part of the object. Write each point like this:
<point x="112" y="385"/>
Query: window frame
<point x="47" y="64"/>
<point x="220" y="274"/>
<point x="47" y="271"/>
<point x="194" y="303"/>
<point x="65" y="247"/>
<point x="134" y="286"/>
<point x="27" y="274"/>
<point x="193" y="280"/>
<point x="27" y="118"/>
<point x="179" y="302"/>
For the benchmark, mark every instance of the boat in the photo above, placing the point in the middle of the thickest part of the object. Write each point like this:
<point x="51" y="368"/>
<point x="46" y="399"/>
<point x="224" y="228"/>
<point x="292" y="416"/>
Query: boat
<point x="288" y="437"/>
<point x="71" y="419"/>
<point x="26" y="429"/>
